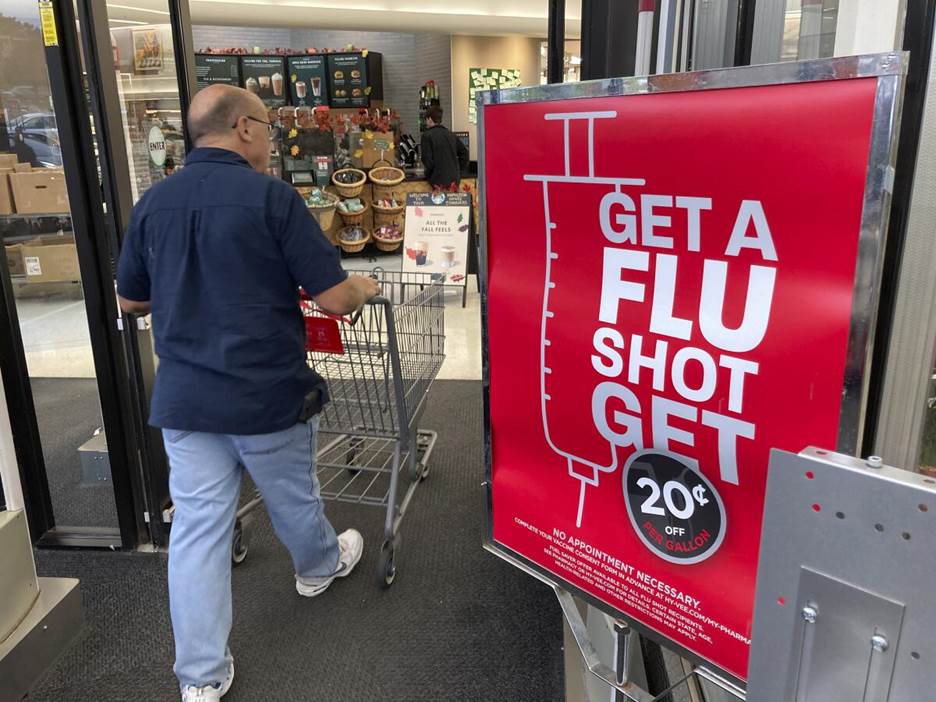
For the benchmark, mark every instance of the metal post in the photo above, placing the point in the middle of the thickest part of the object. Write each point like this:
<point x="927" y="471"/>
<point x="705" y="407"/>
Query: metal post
<point x="767" y="35"/>
<point x="810" y="30"/>
<point x="19" y="402"/>
<point x="746" y="11"/>
<point x="622" y="639"/>
<point x="182" y="46"/>
<point x="609" y="38"/>
<point x="555" y="42"/>
<point x="10" y="479"/>
<point x="150" y="476"/>
<point x="918" y="40"/>
<point x="643" y="55"/>
<point x="667" y="40"/>
<point x="95" y="264"/>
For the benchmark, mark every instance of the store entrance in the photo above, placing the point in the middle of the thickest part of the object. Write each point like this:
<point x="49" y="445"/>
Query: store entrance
<point x="92" y="117"/>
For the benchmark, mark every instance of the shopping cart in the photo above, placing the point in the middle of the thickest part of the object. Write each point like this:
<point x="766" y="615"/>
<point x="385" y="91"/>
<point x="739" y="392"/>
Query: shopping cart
<point x="379" y="364"/>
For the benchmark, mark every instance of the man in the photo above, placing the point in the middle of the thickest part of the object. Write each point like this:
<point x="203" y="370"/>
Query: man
<point x="217" y="251"/>
<point x="443" y="154"/>
<point x="24" y="152"/>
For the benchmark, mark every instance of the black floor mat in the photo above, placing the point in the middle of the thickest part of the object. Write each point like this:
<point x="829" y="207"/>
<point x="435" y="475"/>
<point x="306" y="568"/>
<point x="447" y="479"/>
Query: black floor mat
<point x="68" y="412"/>
<point x="458" y="623"/>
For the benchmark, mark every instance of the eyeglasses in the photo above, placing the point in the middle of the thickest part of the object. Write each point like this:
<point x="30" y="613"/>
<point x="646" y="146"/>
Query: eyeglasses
<point x="271" y="128"/>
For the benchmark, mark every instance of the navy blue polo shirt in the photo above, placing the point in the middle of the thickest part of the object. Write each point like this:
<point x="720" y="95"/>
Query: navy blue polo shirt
<point x="220" y="251"/>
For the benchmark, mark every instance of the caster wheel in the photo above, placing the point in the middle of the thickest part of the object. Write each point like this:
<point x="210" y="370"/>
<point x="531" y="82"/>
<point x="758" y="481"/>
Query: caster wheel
<point x="414" y="469"/>
<point x="351" y="458"/>
<point x="239" y="546"/>
<point x="425" y="471"/>
<point x="387" y="570"/>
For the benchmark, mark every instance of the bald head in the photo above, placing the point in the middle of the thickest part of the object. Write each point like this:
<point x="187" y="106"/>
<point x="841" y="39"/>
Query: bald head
<point x="215" y="110"/>
<point x="225" y="117"/>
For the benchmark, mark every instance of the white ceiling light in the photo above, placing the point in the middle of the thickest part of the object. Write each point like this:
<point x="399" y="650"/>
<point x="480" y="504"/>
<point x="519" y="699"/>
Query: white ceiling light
<point x="138" y="9"/>
<point x="123" y="21"/>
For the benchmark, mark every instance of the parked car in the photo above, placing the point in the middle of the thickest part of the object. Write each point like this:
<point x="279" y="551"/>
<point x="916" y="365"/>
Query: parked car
<point x="36" y="123"/>
<point x="40" y="132"/>
<point x="47" y="149"/>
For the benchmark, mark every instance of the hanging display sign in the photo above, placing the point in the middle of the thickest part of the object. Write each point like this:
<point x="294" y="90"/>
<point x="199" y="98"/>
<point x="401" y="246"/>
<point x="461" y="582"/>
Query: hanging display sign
<point x="436" y="234"/>
<point x="216" y="68"/>
<point x="671" y="292"/>
<point x="348" y="80"/>
<point x="264" y="76"/>
<point x="308" y="80"/>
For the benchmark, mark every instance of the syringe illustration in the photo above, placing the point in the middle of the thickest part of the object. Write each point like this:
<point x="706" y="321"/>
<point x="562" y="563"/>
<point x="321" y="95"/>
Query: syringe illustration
<point x="584" y="468"/>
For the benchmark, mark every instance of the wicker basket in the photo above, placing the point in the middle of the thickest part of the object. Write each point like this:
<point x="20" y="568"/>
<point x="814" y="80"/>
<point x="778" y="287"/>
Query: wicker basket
<point x="385" y="179"/>
<point x="397" y="219"/>
<point x="350" y="218"/>
<point x="352" y="246"/>
<point x="389" y="215"/>
<point x="347" y="190"/>
<point x="379" y="209"/>
<point x="324" y="214"/>
<point x="386" y="176"/>
<point x="388" y="244"/>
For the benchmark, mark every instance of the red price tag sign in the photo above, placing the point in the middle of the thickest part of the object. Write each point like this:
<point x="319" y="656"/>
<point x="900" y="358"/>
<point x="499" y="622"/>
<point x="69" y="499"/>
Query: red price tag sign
<point x="323" y="335"/>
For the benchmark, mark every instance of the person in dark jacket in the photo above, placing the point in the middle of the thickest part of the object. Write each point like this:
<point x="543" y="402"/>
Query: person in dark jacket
<point x="24" y="152"/>
<point x="443" y="154"/>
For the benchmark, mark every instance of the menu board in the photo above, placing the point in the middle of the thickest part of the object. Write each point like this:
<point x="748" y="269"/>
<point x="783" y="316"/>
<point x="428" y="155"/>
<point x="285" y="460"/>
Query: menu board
<point x="265" y="76"/>
<point x="347" y="74"/>
<point x="210" y="69"/>
<point x="308" y="80"/>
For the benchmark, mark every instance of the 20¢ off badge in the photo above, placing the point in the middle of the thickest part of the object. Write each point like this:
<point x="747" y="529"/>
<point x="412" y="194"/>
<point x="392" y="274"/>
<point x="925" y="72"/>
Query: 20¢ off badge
<point x="673" y="507"/>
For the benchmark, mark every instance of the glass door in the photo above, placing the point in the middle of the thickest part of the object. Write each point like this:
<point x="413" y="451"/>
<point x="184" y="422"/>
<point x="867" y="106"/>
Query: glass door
<point x="45" y="293"/>
<point x="83" y="134"/>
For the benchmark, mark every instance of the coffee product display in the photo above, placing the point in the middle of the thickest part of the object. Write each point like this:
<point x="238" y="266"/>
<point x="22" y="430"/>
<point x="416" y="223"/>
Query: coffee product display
<point x="388" y="232"/>
<point x="264" y="77"/>
<point x="351" y="206"/>
<point x="308" y="79"/>
<point x="353" y="239"/>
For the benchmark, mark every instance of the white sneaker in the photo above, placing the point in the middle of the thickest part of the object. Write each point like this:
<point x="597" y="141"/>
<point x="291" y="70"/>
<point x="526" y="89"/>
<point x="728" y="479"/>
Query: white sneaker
<point x="209" y="693"/>
<point x="351" y="548"/>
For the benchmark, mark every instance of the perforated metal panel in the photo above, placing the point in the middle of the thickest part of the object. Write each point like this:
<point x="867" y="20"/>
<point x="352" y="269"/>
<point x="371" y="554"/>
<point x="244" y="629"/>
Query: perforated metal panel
<point x="845" y="599"/>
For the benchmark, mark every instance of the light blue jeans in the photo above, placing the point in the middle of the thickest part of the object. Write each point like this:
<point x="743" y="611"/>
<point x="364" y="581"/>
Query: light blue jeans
<point x="204" y="481"/>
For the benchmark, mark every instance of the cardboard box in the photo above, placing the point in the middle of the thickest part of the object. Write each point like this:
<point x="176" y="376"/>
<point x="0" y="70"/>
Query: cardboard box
<point x="22" y="168"/>
<point x="14" y="257"/>
<point x="6" y="195"/>
<point x="8" y="160"/>
<point x="39" y="192"/>
<point x="51" y="259"/>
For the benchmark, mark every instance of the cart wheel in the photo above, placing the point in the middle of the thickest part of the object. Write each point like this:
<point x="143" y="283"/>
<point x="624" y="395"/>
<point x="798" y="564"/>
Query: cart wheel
<point x="387" y="570"/>
<point x="239" y="546"/>
<point x="425" y="470"/>
<point x="414" y="469"/>
<point x="352" y="457"/>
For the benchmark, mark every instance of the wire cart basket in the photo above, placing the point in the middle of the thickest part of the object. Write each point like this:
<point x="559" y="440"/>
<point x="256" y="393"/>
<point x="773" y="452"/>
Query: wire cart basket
<point x="379" y="365"/>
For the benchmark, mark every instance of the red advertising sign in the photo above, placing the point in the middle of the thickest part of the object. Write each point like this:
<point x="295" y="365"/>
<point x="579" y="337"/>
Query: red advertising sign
<point x="670" y="286"/>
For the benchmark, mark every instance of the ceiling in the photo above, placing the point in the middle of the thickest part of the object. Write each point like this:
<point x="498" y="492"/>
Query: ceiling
<point x="475" y="17"/>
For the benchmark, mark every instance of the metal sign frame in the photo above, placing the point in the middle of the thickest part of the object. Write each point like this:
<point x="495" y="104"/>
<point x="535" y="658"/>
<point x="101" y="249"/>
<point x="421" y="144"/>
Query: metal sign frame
<point x="890" y="70"/>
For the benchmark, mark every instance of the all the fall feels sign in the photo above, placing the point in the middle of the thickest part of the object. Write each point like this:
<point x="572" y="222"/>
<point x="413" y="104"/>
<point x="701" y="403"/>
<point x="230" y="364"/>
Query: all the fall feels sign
<point x="670" y="289"/>
<point x="436" y="235"/>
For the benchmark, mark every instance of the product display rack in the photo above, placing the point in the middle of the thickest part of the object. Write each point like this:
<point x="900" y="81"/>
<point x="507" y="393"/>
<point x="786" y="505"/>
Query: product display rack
<point x="428" y="96"/>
